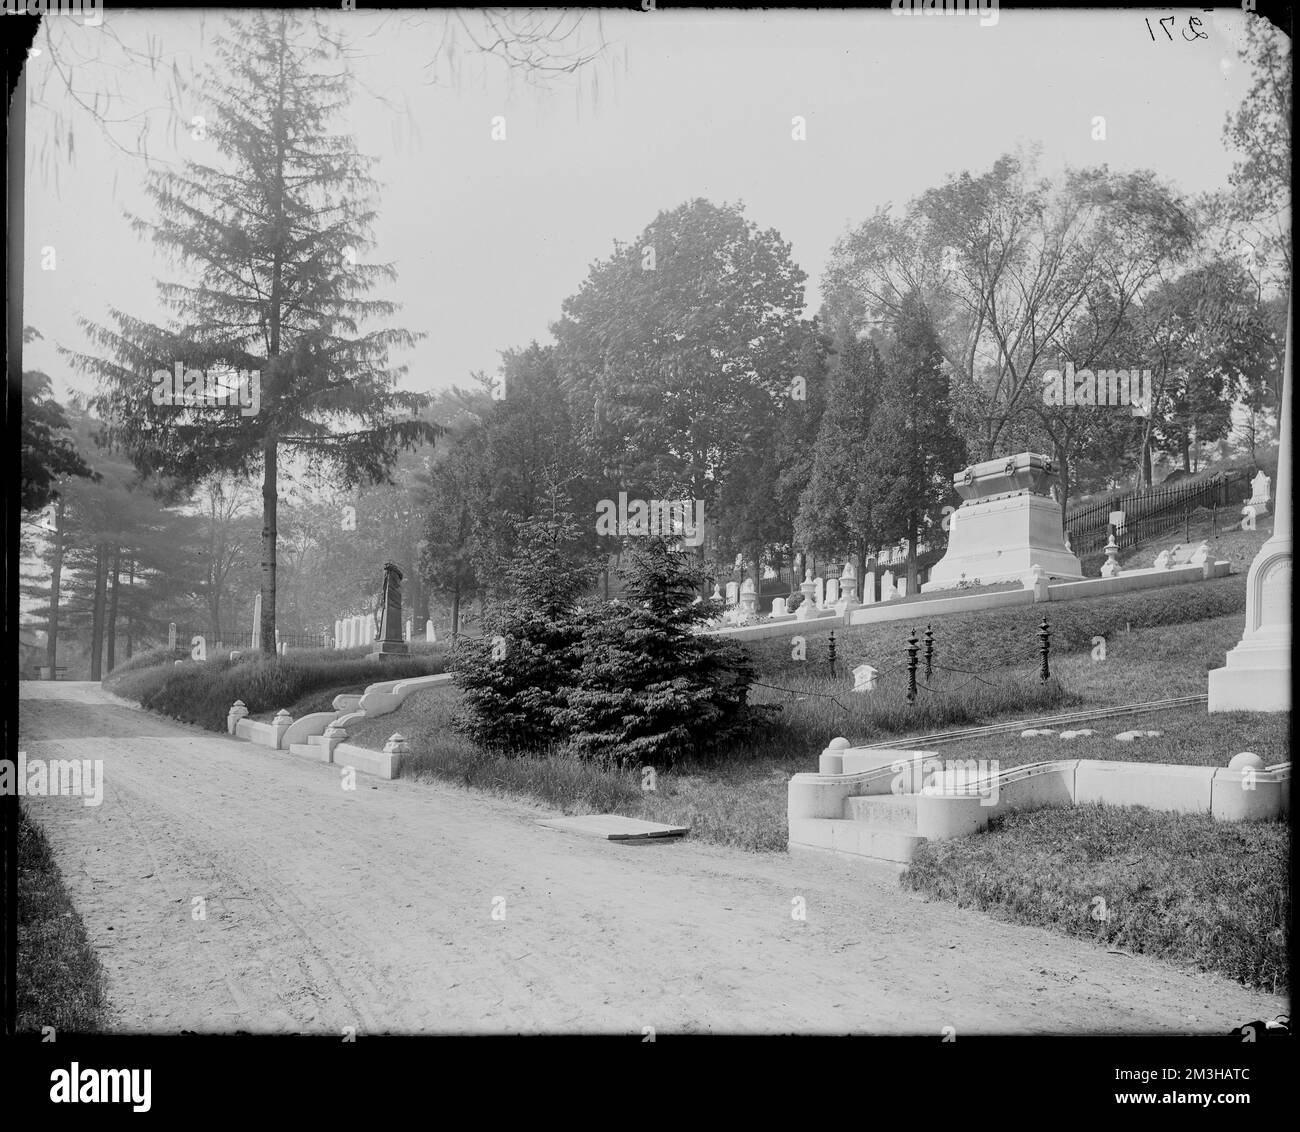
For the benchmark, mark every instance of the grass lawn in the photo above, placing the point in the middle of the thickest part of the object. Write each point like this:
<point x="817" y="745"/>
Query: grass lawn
<point x="60" y="982"/>
<point x="1180" y="887"/>
<point x="740" y="799"/>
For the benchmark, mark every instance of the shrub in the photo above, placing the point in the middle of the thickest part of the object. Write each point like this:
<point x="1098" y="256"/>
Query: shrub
<point x="513" y="677"/>
<point x="202" y="693"/>
<point x="648" y="688"/>
<point x="147" y="659"/>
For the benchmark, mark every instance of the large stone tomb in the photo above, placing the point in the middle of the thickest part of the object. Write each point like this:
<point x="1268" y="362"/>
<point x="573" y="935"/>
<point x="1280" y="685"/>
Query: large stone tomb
<point x="1007" y="523"/>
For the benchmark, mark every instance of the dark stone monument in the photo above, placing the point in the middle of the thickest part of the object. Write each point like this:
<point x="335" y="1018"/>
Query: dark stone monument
<point x="389" y="642"/>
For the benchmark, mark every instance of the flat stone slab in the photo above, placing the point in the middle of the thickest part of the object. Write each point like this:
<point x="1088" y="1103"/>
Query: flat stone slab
<point x="615" y="827"/>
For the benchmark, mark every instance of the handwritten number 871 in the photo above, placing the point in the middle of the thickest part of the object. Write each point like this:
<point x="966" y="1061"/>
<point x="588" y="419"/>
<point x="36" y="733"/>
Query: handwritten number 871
<point x="1192" y="24"/>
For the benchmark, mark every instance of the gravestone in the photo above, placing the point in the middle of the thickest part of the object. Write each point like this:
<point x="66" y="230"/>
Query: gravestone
<point x="1009" y="521"/>
<point x="390" y="641"/>
<point x="869" y="588"/>
<point x="778" y="607"/>
<point x="748" y="601"/>
<point x="733" y="593"/>
<point x="1257" y="676"/>
<point x="902" y="587"/>
<point x="833" y="591"/>
<point x="864" y="678"/>
<point x="887" y="591"/>
<point x="819" y="592"/>
<point x="171" y="636"/>
<point x="429" y="634"/>
<point x="1261" y="495"/>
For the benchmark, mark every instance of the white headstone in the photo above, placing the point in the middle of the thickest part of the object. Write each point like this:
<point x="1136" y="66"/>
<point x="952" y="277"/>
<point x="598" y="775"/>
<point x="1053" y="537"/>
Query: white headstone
<point x="819" y="592"/>
<point x="869" y="588"/>
<point x="778" y="607"/>
<point x="832" y="591"/>
<point x="338" y="632"/>
<point x="733" y="593"/>
<point x="1257" y="676"/>
<point x="408" y="629"/>
<point x="429" y="634"/>
<point x="1116" y="520"/>
<point x="902" y="587"/>
<point x="1261" y="491"/>
<point x="171" y="635"/>
<point x="886" y="584"/>
<point x="864" y="678"/>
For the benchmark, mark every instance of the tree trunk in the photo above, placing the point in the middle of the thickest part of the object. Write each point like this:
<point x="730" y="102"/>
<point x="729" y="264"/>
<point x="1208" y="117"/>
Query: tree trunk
<point x="52" y="639"/>
<point x="97" y="614"/>
<point x="130" y="621"/>
<point x="1187" y="453"/>
<point x="455" y="611"/>
<point x="112" y="608"/>
<point x="1063" y="462"/>
<point x="911" y="556"/>
<point x="270" y="506"/>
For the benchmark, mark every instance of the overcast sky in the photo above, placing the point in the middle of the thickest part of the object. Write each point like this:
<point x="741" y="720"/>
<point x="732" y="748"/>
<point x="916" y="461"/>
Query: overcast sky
<point x="489" y="237"/>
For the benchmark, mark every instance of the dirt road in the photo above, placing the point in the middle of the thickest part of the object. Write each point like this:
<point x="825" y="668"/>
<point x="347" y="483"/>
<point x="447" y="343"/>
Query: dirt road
<point x="404" y="907"/>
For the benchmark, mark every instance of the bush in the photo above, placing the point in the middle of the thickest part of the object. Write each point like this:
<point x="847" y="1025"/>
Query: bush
<point x="148" y="659"/>
<point x="513" y="677"/>
<point x="202" y="692"/>
<point x="648" y="688"/>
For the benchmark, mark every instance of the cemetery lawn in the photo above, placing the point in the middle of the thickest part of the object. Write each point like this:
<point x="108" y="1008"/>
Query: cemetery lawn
<point x="739" y="798"/>
<point x="60" y="981"/>
<point x="1183" y="888"/>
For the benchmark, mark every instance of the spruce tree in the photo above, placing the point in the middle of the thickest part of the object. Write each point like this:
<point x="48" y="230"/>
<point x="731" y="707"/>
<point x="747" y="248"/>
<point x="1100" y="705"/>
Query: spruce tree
<point x="649" y="689"/>
<point x="513" y="679"/>
<point x="272" y="236"/>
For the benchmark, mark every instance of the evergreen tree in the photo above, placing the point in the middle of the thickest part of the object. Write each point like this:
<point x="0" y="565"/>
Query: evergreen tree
<point x="913" y="450"/>
<point x="274" y="237"/>
<point x="648" y="688"/>
<point x="513" y="679"/>
<point x="835" y="507"/>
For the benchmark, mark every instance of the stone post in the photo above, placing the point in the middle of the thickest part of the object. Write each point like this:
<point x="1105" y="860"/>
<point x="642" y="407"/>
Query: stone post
<point x="235" y="714"/>
<point x="1257" y="676"/>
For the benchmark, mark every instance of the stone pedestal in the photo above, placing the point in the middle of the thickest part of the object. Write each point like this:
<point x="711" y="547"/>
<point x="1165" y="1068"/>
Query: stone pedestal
<point x="808" y="588"/>
<point x="1007" y="523"/>
<point x="1257" y="676"/>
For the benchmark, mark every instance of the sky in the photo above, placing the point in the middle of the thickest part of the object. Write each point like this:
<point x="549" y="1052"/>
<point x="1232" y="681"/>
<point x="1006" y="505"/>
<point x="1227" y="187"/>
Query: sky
<point x="490" y="236"/>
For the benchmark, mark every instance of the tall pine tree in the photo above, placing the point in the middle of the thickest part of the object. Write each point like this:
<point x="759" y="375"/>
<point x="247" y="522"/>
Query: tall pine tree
<point x="272" y="236"/>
